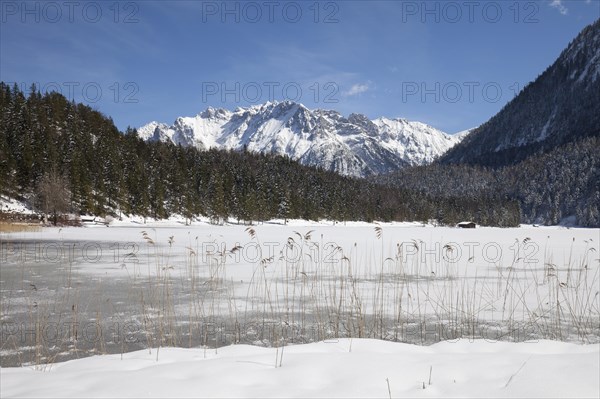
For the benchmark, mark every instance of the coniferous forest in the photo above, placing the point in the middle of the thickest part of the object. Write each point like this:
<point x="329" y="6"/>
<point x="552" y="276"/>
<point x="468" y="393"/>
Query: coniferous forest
<point x="548" y="187"/>
<point x="61" y="157"/>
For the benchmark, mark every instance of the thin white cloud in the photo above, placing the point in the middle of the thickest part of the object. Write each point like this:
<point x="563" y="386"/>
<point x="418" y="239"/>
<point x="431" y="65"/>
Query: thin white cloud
<point x="559" y="6"/>
<point x="356" y="89"/>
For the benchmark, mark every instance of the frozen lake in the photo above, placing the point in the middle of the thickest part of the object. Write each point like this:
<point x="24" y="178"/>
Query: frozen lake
<point x="73" y="292"/>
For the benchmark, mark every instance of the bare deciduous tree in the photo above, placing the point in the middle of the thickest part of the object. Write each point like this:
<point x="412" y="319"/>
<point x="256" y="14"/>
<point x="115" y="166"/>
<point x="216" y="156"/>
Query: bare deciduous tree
<point x="53" y="195"/>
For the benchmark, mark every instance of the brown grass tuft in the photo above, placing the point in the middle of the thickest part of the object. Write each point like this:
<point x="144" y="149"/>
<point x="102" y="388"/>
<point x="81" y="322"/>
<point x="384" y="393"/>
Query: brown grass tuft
<point x="11" y="227"/>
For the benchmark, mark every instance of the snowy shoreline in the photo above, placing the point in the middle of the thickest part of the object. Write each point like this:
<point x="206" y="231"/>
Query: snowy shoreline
<point x="334" y="368"/>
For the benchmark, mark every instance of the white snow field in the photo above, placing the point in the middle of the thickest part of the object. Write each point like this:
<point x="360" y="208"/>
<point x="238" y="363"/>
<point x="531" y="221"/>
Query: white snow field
<point x="335" y="368"/>
<point x="307" y="309"/>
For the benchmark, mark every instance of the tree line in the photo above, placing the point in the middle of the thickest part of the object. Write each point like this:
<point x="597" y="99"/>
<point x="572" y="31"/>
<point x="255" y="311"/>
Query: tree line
<point x="548" y="187"/>
<point x="63" y="157"/>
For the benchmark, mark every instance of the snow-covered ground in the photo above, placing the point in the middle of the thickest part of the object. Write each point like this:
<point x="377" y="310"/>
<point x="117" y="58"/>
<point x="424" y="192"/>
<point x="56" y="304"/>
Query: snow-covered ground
<point x="335" y="368"/>
<point x="11" y="205"/>
<point x="304" y="288"/>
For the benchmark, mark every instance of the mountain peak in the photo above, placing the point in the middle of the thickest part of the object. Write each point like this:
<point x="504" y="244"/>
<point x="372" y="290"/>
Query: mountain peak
<point x="355" y="145"/>
<point x="211" y="112"/>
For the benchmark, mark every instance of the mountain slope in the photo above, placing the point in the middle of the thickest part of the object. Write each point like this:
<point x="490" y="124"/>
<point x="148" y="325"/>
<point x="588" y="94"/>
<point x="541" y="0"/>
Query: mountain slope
<point x="562" y="105"/>
<point x="354" y="146"/>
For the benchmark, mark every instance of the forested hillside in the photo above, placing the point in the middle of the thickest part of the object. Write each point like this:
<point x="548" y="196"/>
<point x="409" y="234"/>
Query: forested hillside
<point x="549" y="187"/>
<point x="561" y="106"/>
<point x="62" y="157"/>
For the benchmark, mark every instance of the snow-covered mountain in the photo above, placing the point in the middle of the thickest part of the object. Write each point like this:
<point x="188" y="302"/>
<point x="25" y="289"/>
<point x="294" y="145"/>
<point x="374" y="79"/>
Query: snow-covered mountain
<point x="354" y="146"/>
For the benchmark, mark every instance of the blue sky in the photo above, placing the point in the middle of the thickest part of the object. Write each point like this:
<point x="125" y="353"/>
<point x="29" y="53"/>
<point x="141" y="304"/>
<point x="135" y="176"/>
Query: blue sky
<point x="450" y="64"/>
